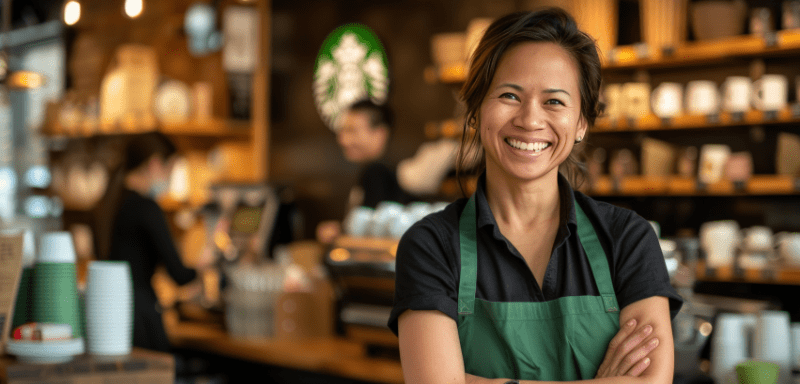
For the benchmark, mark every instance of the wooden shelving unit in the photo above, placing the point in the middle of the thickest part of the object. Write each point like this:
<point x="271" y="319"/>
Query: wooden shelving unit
<point x="786" y="42"/>
<point x="652" y="122"/>
<point x="758" y="185"/>
<point x="782" y="275"/>
<point x="216" y="128"/>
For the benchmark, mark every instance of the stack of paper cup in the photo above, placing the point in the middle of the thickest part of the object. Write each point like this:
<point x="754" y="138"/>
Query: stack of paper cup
<point x="54" y="291"/>
<point x="109" y="308"/>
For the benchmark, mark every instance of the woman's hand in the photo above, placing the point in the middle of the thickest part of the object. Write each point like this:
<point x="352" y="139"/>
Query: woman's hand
<point x="627" y="352"/>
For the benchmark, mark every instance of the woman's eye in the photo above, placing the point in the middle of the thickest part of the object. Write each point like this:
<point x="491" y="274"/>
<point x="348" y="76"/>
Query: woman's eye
<point x="554" y="102"/>
<point x="509" y="96"/>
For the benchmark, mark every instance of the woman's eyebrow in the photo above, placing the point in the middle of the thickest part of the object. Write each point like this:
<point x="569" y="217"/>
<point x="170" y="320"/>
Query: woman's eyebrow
<point x="555" y="90"/>
<point x="511" y="85"/>
<point x="520" y="88"/>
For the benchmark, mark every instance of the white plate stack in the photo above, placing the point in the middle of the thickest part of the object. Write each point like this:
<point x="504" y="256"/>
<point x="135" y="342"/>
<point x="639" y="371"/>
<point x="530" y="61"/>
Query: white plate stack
<point x="109" y="308"/>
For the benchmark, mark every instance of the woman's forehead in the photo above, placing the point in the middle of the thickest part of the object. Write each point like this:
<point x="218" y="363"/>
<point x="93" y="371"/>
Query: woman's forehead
<point x="539" y="63"/>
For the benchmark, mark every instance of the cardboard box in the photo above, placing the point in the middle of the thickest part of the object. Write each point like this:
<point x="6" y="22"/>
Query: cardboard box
<point x="11" y="260"/>
<point x="140" y="367"/>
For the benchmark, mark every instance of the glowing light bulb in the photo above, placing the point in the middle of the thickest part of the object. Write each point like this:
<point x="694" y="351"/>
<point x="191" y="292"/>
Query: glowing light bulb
<point x="133" y="8"/>
<point x="72" y="12"/>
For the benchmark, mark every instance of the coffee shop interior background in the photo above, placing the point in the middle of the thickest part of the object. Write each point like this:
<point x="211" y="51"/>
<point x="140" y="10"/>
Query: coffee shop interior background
<point x="246" y="121"/>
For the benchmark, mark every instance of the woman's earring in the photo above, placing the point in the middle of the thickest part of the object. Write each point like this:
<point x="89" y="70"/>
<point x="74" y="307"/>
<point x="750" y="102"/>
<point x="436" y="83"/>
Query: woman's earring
<point x="578" y="140"/>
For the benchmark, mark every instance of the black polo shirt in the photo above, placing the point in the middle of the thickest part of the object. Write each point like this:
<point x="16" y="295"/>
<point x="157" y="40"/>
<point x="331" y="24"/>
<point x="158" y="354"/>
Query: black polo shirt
<point x="429" y="259"/>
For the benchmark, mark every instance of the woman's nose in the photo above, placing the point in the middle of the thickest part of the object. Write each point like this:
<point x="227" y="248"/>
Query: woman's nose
<point x="530" y="117"/>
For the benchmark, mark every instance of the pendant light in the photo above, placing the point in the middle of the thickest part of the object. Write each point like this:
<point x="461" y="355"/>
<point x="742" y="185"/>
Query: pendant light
<point x="19" y="79"/>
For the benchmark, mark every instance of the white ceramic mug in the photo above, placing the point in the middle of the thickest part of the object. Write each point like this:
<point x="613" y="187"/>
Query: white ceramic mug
<point x="788" y="244"/>
<point x="757" y="239"/>
<point x="702" y="97"/>
<point x="713" y="158"/>
<point x="636" y="100"/>
<point x="385" y="212"/>
<point x="667" y="100"/>
<point x="719" y="239"/>
<point x="736" y="92"/>
<point x="770" y="93"/>
<point x="612" y="95"/>
<point x="400" y="224"/>
<point x="358" y="220"/>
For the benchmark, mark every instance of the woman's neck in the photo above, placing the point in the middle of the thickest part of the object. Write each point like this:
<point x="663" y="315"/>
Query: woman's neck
<point x="523" y="204"/>
<point x="138" y="182"/>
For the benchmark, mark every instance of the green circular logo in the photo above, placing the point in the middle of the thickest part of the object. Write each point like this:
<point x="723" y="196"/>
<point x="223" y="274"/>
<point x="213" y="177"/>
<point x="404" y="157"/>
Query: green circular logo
<point x="350" y="66"/>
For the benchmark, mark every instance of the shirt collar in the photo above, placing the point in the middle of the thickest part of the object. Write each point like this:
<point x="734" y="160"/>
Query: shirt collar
<point x="566" y="227"/>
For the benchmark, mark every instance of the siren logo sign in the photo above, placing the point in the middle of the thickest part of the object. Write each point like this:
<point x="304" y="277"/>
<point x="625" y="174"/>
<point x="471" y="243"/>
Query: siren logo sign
<point x="351" y="66"/>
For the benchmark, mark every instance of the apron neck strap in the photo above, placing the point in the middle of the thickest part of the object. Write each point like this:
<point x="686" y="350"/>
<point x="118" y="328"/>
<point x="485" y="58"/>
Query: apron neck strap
<point x="597" y="259"/>
<point x="469" y="259"/>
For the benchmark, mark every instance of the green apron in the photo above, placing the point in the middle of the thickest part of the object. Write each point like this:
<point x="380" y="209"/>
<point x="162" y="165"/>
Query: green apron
<point x="559" y="340"/>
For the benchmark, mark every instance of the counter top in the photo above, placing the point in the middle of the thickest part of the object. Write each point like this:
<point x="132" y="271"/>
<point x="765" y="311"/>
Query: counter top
<point x="329" y="355"/>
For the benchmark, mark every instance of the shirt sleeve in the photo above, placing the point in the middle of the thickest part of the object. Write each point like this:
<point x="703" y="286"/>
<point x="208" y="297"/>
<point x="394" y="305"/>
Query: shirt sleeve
<point x="425" y="275"/>
<point x="639" y="263"/>
<point x="379" y="183"/>
<point x="156" y="229"/>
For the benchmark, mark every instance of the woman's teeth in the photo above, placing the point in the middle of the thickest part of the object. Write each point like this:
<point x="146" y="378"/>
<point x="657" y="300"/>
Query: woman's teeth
<point x="535" y="147"/>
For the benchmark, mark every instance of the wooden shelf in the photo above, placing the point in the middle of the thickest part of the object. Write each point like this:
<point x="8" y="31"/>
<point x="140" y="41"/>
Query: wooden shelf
<point x="780" y="275"/>
<point x="789" y="115"/>
<point x="449" y="128"/>
<point x="758" y="185"/>
<point x="709" y="51"/>
<point x="216" y="128"/>
<point x="787" y="42"/>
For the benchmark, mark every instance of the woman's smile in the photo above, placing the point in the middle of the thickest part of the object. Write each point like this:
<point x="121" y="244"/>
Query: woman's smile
<point x="534" y="147"/>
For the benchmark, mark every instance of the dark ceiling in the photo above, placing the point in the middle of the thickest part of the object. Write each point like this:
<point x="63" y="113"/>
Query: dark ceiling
<point x="32" y="12"/>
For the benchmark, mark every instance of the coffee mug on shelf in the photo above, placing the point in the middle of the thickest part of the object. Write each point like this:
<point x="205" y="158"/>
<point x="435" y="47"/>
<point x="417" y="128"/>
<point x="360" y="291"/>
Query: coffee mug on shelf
<point x="713" y="158"/>
<point x="757" y="238"/>
<point x="612" y="95"/>
<point x="667" y="99"/>
<point x="761" y="21"/>
<point x="788" y="244"/>
<point x="736" y="92"/>
<point x="719" y="239"/>
<point x="770" y="92"/>
<point x="739" y="167"/>
<point x="791" y="14"/>
<point x="636" y="100"/>
<point x="702" y="97"/>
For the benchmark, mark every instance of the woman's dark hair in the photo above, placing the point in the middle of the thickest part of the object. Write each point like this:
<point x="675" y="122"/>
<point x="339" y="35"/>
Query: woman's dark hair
<point x="141" y="147"/>
<point x="378" y="114"/>
<point x="552" y="25"/>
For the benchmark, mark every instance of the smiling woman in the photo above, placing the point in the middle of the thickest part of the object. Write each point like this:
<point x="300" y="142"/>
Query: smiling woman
<point x="528" y="279"/>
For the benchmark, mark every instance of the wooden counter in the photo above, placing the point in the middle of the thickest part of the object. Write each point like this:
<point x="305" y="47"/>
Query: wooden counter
<point x="330" y="355"/>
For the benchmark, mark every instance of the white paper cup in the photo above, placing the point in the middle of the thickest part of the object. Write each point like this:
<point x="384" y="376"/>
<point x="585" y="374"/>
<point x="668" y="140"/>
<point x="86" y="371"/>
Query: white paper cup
<point x="109" y="308"/>
<point x="772" y="341"/>
<point x="729" y="345"/>
<point x="56" y="247"/>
